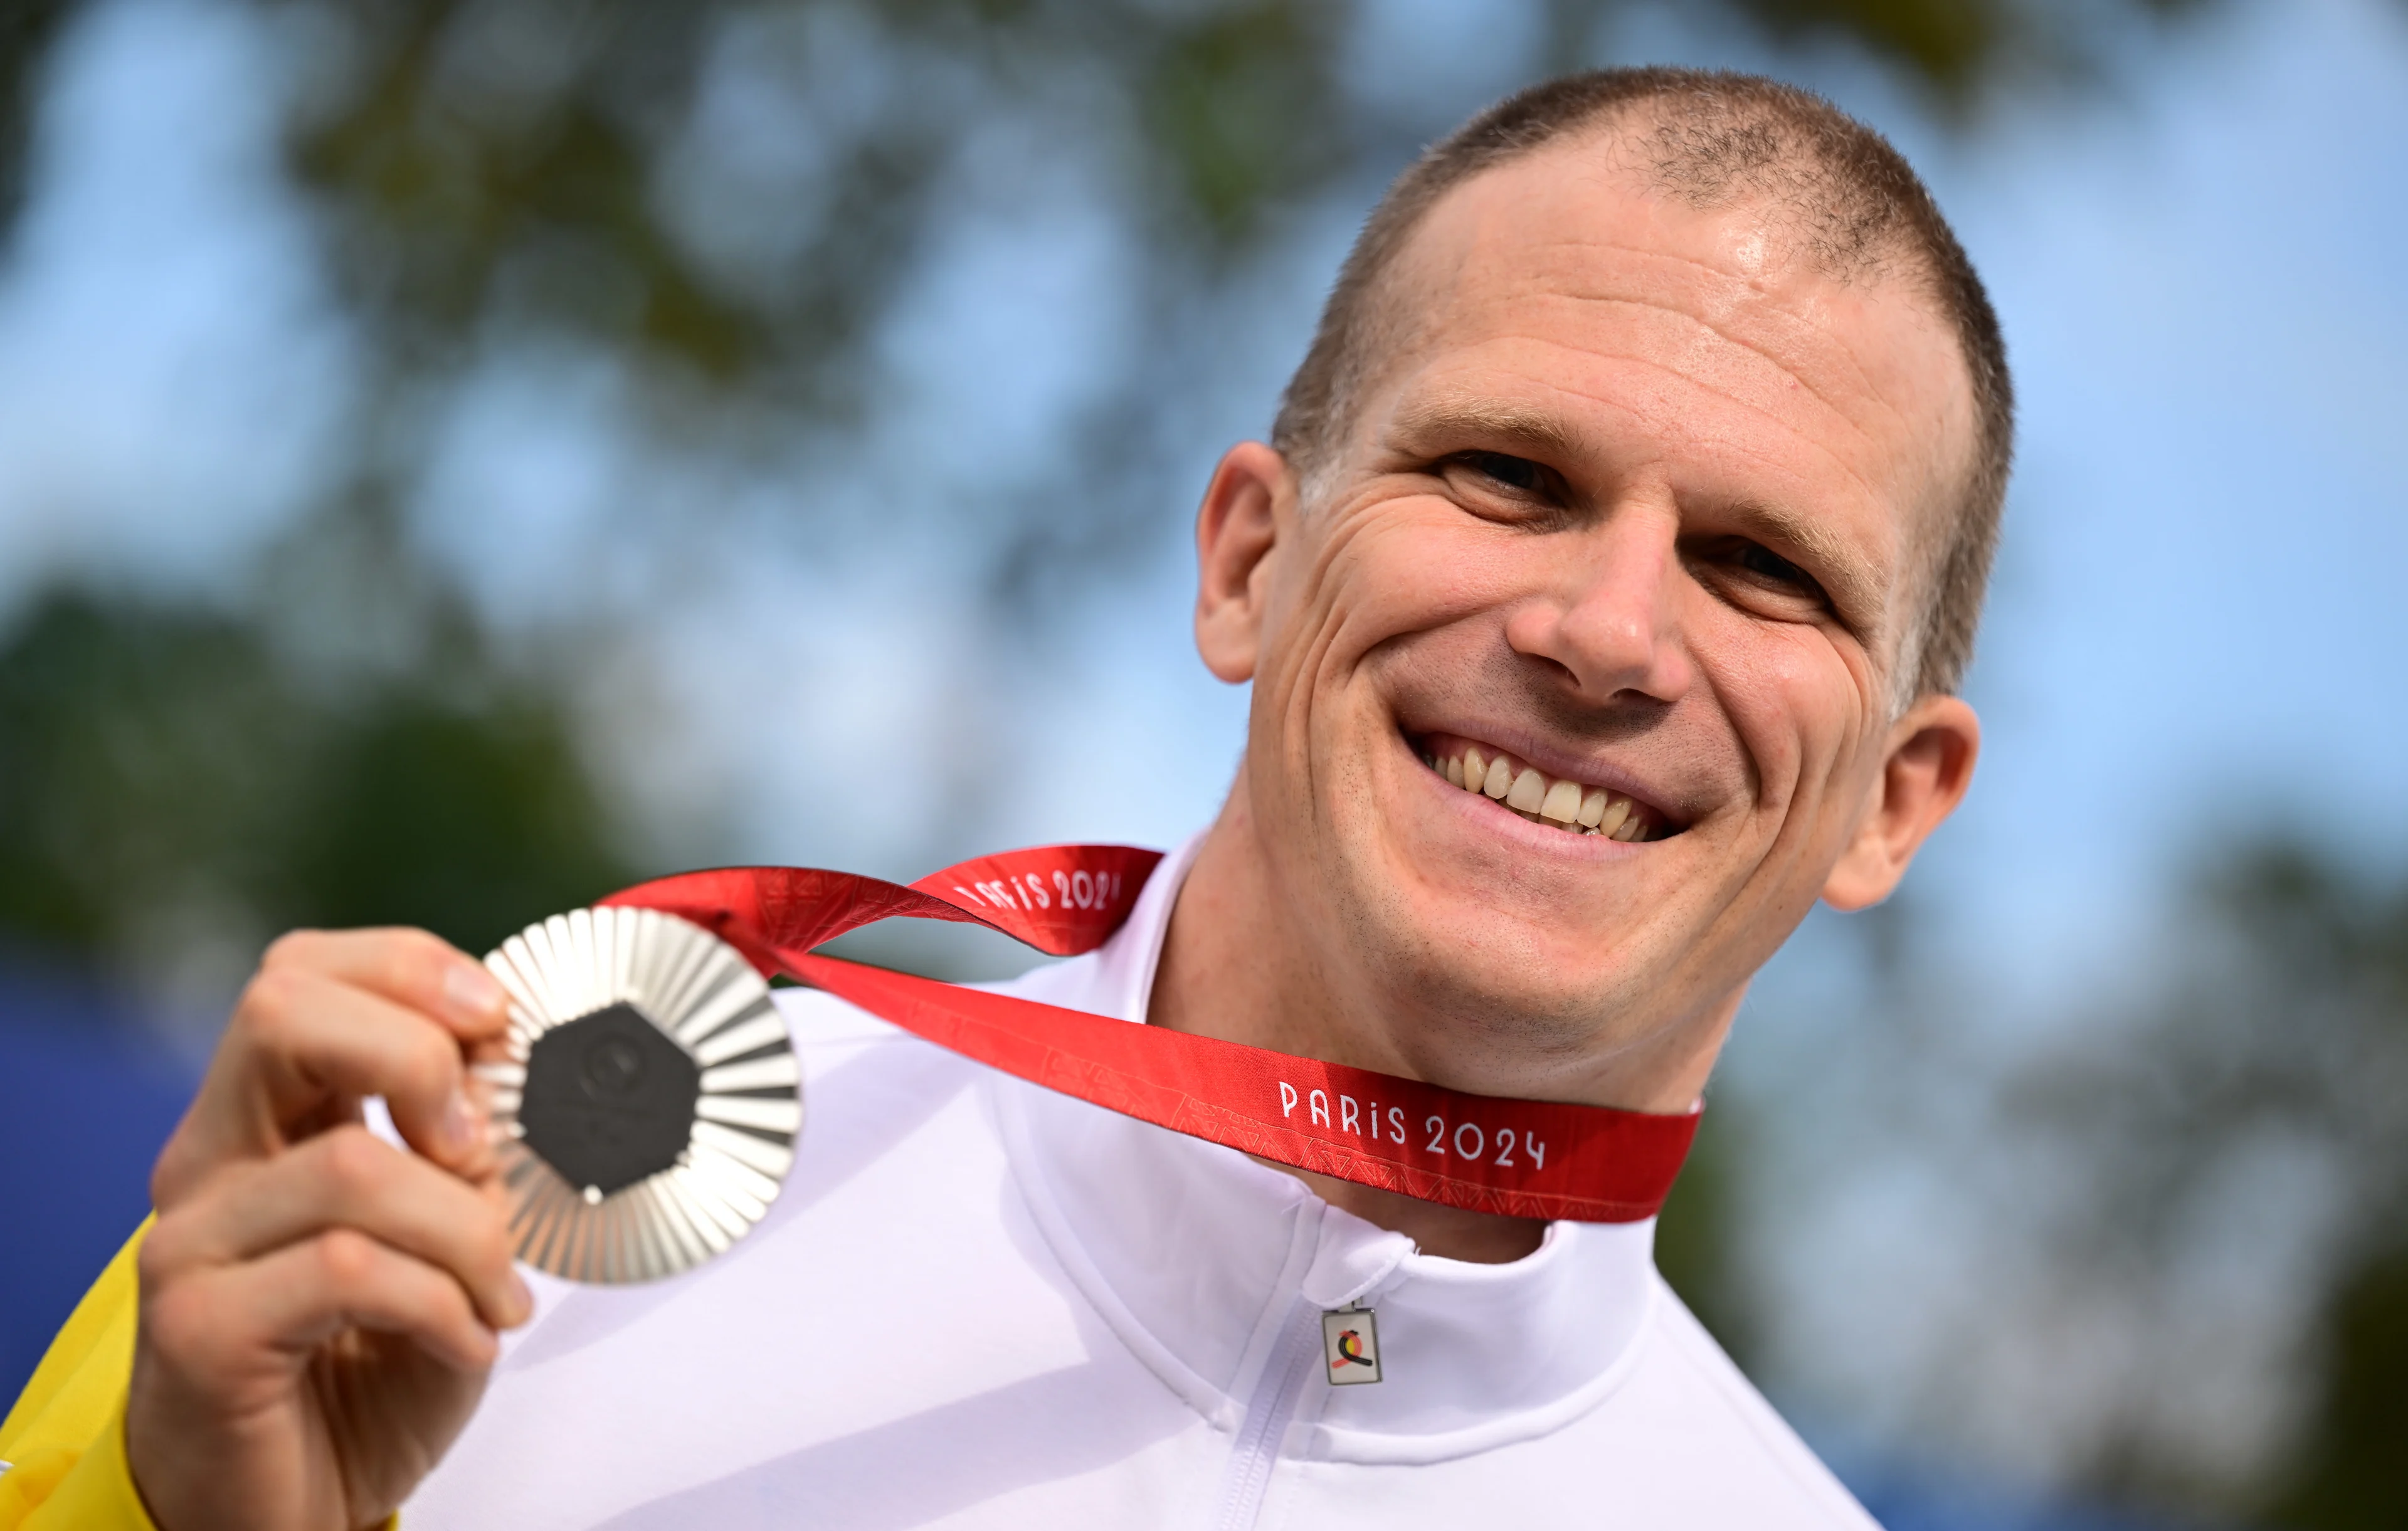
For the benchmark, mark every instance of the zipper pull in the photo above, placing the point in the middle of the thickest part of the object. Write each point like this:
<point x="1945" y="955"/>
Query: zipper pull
<point x="1350" y="1345"/>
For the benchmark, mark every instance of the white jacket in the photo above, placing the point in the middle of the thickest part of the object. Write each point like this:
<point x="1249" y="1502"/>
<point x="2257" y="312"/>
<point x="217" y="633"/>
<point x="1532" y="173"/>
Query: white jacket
<point x="981" y="1304"/>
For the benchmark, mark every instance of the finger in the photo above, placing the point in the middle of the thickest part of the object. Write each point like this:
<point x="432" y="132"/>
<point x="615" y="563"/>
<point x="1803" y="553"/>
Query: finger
<point x="302" y="1049"/>
<point x="413" y="968"/>
<point x="349" y="1177"/>
<point x="221" y="1322"/>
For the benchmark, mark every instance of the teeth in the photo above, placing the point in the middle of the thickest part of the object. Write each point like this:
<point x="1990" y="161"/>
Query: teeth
<point x="1528" y="790"/>
<point x="1563" y="803"/>
<point x="1617" y="813"/>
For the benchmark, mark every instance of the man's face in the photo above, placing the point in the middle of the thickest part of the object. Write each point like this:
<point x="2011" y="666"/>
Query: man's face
<point x="1634" y="504"/>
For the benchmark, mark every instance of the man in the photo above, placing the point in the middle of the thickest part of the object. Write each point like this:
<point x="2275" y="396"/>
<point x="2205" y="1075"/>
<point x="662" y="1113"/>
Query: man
<point x="1603" y="591"/>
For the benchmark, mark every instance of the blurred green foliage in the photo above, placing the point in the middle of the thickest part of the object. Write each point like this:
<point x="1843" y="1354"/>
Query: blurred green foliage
<point x="2280" y="1039"/>
<point x="534" y="160"/>
<point x="2347" y="1476"/>
<point x="1696" y="1247"/>
<point x="168" y="779"/>
<point x="26" y="30"/>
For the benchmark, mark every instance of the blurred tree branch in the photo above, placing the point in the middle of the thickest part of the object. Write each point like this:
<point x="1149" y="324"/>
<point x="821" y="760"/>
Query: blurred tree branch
<point x="537" y="160"/>
<point x="27" y="29"/>
<point x="2274" y="1053"/>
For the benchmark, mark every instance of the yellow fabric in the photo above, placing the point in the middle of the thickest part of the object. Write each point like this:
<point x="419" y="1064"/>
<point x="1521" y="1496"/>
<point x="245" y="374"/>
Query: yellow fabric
<point x="65" y="1434"/>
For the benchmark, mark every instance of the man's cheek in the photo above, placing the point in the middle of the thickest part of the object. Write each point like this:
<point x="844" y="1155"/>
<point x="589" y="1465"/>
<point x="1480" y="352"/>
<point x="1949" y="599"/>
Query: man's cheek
<point x="1358" y="616"/>
<point x="1423" y="561"/>
<point x="1795" y="708"/>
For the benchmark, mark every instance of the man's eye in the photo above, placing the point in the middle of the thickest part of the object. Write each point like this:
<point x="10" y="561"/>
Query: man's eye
<point x="1516" y="473"/>
<point x="1765" y="563"/>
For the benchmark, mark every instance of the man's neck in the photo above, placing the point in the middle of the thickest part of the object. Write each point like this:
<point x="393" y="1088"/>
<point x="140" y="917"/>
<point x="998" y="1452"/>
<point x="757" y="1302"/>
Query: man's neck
<point x="1240" y="965"/>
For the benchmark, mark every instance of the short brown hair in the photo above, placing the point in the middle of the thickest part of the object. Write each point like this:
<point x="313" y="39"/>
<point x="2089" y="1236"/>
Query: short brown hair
<point x="1712" y="138"/>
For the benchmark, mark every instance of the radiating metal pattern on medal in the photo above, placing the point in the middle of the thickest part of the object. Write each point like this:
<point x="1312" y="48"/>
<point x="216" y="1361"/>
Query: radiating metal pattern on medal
<point x="647" y="1111"/>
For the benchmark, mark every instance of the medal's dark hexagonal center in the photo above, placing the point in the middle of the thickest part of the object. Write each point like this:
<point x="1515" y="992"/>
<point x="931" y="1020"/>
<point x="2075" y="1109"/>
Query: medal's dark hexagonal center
<point x="609" y="1099"/>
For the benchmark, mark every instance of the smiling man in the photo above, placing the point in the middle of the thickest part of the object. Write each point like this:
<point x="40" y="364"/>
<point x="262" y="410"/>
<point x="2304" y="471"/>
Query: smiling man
<point x="1603" y="590"/>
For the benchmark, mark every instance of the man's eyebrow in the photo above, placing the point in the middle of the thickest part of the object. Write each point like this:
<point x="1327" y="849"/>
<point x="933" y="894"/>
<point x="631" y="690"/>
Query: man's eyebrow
<point x="1502" y="423"/>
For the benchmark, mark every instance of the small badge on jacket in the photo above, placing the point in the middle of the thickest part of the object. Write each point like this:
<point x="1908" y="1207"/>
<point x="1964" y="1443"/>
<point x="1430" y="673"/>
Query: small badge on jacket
<point x="1350" y="1343"/>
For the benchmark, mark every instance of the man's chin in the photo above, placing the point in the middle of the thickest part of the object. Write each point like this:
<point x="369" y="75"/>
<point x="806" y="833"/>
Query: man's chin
<point x="1463" y="976"/>
<point x="1478" y="901"/>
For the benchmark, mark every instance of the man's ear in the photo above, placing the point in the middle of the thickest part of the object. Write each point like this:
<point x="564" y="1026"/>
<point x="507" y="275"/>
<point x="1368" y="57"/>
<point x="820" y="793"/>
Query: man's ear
<point x="1923" y="779"/>
<point x="1236" y="530"/>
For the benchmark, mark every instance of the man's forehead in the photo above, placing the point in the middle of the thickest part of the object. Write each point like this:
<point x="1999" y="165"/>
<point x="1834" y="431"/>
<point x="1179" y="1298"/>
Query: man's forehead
<point x="1569" y="259"/>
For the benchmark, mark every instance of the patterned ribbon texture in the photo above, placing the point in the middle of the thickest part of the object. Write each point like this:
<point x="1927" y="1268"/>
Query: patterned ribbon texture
<point x="1523" y="1158"/>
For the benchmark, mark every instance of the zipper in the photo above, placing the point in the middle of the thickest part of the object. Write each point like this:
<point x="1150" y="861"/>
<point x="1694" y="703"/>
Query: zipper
<point x="1256" y="1450"/>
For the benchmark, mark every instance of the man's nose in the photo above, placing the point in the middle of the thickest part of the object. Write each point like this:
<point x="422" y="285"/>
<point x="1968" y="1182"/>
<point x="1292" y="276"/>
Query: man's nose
<point x="1606" y="610"/>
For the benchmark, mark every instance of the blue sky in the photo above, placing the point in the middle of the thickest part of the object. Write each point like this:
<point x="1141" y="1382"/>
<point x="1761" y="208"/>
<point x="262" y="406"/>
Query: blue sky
<point x="2198" y="614"/>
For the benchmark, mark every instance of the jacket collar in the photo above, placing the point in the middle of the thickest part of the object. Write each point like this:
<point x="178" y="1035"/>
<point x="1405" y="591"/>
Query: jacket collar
<point x="1197" y="1255"/>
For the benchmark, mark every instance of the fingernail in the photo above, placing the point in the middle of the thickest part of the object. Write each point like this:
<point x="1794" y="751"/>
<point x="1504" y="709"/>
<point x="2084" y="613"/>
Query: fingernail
<point x="472" y="989"/>
<point x="521" y="1299"/>
<point x="460" y="1125"/>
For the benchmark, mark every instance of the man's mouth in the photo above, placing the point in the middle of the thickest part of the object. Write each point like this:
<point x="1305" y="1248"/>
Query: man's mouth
<point x="1576" y="808"/>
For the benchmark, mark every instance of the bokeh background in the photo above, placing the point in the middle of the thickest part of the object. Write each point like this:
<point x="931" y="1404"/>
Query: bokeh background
<point x="456" y="458"/>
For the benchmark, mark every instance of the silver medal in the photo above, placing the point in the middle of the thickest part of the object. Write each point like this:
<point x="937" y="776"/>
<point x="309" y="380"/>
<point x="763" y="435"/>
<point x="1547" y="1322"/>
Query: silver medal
<point x="647" y="1110"/>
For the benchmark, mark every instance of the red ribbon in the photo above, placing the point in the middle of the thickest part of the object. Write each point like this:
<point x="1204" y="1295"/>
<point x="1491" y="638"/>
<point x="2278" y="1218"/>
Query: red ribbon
<point x="1523" y="1158"/>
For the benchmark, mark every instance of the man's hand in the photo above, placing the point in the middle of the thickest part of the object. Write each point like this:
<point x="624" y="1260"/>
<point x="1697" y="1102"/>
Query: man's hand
<point x="319" y="1307"/>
